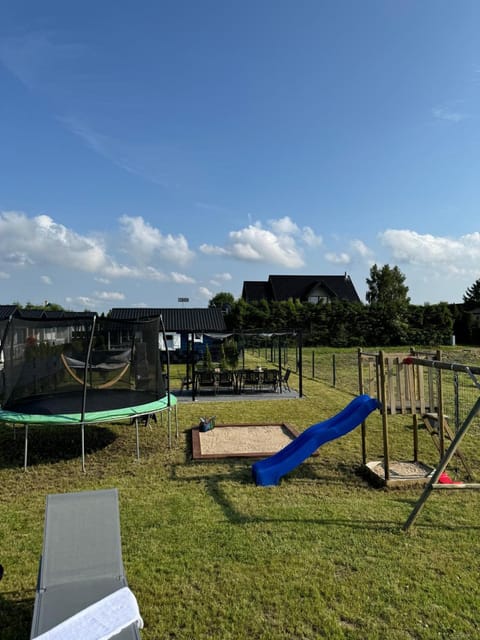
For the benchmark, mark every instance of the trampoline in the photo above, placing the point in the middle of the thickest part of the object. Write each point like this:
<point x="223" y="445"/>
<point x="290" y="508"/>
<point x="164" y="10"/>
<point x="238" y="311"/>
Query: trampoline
<point x="66" y="368"/>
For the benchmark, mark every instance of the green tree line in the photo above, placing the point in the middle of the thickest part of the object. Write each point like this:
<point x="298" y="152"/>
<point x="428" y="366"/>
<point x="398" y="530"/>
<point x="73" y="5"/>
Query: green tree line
<point x="387" y="319"/>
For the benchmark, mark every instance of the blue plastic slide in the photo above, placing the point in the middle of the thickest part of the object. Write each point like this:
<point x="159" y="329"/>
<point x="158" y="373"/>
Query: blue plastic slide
<point x="269" y="471"/>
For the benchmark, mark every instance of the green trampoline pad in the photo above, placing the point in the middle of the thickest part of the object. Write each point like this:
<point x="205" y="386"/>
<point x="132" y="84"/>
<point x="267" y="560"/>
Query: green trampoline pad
<point x="120" y="413"/>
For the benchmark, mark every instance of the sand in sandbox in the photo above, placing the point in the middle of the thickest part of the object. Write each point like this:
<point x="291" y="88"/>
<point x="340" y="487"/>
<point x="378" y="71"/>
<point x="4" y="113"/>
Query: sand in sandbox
<point x="407" y="473"/>
<point x="241" y="440"/>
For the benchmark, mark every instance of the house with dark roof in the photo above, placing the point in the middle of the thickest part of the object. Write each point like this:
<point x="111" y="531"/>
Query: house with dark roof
<point x="312" y="289"/>
<point x="209" y="319"/>
<point x="203" y="326"/>
<point x="7" y="310"/>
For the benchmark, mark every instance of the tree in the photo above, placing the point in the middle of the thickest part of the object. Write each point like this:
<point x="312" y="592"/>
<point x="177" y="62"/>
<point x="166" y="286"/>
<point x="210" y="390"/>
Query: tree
<point x="207" y="359"/>
<point x="439" y="320"/>
<point x="231" y="353"/>
<point x="237" y="319"/>
<point x="471" y="297"/>
<point x="50" y="306"/>
<point x="387" y="288"/>
<point x="223" y="301"/>
<point x="388" y="299"/>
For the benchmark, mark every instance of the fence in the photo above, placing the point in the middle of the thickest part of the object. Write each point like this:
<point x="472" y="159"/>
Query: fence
<point x="337" y="369"/>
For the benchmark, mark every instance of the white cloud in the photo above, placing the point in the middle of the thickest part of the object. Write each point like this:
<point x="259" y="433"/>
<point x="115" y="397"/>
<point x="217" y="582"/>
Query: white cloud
<point x="281" y="242"/>
<point x="284" y="226"/>
<point x="42" y="241"/>
<point x="219" y="279"/>
<point x="46" y="279"/>
<point x="212" y="250"/>
<point x="109" y="295"/>
<point x="360" y="248"/>
<point x="310" y="238"/>
<point x="444" y="113"/>
<point x="181" y="278"/>
<point x="147" y="240"/>
<point x="83" y="302"/>
<point x="361" y="252"/>
<point x="17" y="258"/>
<point x="435" y="262"/>
<point x="415" y="248"/>
<point x="150" y="273"/>
<point x="205" y="293"/>
<point x="255" y="244"/>
<point x="225" y="277"/>
<point x="338" y="258"/>
<point x="115" y="270"/>
<point x="4" y="275"/>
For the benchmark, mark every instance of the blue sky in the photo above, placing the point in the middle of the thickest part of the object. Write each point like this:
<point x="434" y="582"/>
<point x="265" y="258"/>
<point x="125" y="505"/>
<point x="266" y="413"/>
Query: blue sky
<point x="155" y="150"/>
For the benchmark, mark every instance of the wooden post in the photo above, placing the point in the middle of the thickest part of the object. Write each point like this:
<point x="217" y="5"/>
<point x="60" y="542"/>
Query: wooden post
<point x="299" y="362"/>
<point x="383" y="399"/>
<point x="193" y="368"/>
<point x="415" y="438"/>
<point x="401" y="386"/>
<point x="441" y="423"/>
<point x="361" y="390"/>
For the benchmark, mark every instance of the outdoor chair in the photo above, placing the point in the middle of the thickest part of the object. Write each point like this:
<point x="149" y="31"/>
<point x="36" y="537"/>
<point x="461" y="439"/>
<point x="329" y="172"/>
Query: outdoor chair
<point x="225" y="380"/>
<point x="284" y="379"/>
<point x="251" y="379"/>
<point x="82" y="588"/>
<point x="206" y="379"/>
<point x="270" y="379"/>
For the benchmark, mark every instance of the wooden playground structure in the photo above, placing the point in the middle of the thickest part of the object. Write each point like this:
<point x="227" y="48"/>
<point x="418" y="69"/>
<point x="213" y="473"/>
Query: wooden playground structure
<point x="421" y="384"/>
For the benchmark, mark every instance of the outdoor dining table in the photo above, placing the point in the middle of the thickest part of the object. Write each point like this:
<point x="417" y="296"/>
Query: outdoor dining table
<point x="238" y="380"/>
<point x="257" y="379"/>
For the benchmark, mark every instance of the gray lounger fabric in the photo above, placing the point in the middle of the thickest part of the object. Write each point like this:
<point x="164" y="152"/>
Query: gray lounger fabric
<point x="81" y="561"/>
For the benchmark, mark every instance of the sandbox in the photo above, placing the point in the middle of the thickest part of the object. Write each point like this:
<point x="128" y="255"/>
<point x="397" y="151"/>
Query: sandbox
<point x="241" y="440"/>
<point x="404" y="474"/>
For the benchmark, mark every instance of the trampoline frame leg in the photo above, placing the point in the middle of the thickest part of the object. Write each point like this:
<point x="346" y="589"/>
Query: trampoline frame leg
<point x="137" y="438"/>
<point x="83" y="447"/>
<point x="25" y="453"/>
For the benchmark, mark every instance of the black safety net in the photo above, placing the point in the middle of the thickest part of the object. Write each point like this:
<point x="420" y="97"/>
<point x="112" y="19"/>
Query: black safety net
<point x="79" y="363"/>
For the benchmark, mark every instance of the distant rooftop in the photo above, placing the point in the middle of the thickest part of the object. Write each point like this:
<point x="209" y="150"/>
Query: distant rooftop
<point x="301" y="287"/>
<point x="179" y="320"/>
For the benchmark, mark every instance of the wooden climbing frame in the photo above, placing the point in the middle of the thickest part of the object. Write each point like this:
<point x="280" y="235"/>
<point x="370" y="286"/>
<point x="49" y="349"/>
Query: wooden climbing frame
<point x="401" y="389"/>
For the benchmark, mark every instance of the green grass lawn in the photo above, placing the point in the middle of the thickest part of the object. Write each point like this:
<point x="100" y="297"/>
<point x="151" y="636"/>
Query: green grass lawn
<point x="211" y="556"/>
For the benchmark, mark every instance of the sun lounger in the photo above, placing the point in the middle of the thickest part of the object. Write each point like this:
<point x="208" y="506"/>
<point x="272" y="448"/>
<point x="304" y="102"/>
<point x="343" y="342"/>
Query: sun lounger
<point x="81" y="582"/>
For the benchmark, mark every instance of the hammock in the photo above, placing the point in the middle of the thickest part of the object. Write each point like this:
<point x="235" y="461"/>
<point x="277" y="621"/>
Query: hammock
<point x="116" y="362"/>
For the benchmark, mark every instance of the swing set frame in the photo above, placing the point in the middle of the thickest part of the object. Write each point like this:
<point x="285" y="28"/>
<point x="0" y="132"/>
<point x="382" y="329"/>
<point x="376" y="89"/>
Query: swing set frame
<point x="434" y="484"/>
